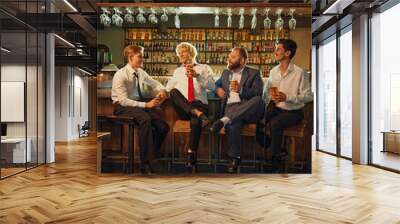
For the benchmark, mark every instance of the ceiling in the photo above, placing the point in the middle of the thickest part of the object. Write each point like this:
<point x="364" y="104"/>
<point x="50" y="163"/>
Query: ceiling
<point x="327" y="18"/>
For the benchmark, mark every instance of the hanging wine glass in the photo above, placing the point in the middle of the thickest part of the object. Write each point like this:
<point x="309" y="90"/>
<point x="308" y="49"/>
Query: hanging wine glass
<point x="279" y="21"/>
<point x="292" y="21"/>
<point x="164" y="16"/>
<point x="229" y="21"/>
<point x="116" y="18"/>
<point x="241" y="20"/>
<point x="216" y="19"/>
<point x="104" y="19"/>
<point x="152" y="17"/>
<point x="254" y="19"/>
<point x="129" y="18"/>
<point x="177" y="20"/>
<point x="267" y="20"/>
<point x="140" y="17"/>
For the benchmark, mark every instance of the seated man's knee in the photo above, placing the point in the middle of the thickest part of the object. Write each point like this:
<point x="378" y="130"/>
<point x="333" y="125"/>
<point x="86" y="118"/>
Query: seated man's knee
<point x="174" y="92"/>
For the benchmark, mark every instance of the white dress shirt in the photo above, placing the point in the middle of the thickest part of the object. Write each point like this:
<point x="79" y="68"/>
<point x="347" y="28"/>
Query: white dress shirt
<point x="295" y="83"/>
<point x="233" y="96"/>
<point x="203" y="82"/>
<point x="124" y="86"/>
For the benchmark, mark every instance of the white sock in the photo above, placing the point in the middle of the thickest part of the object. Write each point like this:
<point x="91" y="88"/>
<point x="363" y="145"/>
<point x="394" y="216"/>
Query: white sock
<point x="225" y="120"/>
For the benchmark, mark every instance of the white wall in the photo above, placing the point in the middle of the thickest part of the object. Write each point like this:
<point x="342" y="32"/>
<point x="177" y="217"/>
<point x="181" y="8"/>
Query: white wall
<point x="71" y="102"/>
<point x="33" y="127"/>
<point x="16" y="73"/>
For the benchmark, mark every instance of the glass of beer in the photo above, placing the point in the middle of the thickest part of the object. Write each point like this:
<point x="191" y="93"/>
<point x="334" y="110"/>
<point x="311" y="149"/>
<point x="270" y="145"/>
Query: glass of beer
<point x="232" y="81"/>
<point x="273" y="92"/>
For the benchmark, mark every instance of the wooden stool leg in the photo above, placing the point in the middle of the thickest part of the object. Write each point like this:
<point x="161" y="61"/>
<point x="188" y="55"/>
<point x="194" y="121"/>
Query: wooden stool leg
<point x="130" y="146"/>
<point x="286" y="164"/>
<point x="172" y="153"/>
<point x="254" y="151"/>
<point x="99" y="155"/>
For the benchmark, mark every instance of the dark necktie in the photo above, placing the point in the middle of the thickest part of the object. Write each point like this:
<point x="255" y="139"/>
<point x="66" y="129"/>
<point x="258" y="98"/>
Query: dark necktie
<point x="138" y="85"/>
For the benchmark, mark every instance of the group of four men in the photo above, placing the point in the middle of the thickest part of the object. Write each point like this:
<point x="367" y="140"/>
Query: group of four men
<point x="241" y="91"/>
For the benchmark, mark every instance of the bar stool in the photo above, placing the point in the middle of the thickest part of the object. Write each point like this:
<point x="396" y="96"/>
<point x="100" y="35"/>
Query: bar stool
<point x="183" y="126"/>
<point x="120" y="156"/>
<point x="247" y="130"/>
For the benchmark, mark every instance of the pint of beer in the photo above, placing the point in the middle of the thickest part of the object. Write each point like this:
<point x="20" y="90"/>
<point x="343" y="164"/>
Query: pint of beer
<point x="233" y="82"/>
<point x="273" y="92"/>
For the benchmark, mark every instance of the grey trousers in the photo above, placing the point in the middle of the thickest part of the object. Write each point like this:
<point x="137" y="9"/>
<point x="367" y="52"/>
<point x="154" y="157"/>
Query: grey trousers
<point x="241" y="113"/>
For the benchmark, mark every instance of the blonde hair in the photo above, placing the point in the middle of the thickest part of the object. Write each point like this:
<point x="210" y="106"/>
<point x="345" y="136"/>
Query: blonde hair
<point x="189" y="47"/>
<point x="130" y="50"/>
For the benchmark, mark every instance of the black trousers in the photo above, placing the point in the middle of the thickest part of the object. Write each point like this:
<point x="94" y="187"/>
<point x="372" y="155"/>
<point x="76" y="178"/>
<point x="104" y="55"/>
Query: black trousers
<point x="152" y="129"/>
<point x="241" y="113"/>
<point x="278" y="119"/>
<point x="183" y="108"/>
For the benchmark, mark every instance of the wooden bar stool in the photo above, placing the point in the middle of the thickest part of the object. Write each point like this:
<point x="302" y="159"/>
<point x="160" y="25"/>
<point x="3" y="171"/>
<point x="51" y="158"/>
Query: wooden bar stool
<point x="127" y="158"/>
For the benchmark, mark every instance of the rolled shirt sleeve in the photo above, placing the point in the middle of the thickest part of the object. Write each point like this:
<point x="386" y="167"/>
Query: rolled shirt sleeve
<point x="119" y="92"/>
<point x="205" y="77"/>
<point x="305" y="94"/>
<point x="266" y="98"/>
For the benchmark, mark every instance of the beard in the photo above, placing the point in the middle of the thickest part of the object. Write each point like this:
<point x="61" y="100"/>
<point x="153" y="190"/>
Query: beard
<point x="234" y="65"/>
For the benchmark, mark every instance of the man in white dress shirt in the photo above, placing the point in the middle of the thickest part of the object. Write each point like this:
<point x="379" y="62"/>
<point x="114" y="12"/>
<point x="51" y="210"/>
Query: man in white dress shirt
<point x="288" y="89"/>
<point x="188" y="92"/>
<point x="127" y="98"/>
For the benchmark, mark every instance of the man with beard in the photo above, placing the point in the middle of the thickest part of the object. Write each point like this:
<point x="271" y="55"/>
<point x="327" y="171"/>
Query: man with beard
<point x="240" y="88"/>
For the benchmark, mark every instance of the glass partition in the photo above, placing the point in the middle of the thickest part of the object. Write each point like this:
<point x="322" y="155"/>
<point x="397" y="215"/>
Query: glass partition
<point x="327" y="96"/>
<point x="385" y="89"/>
<point x="346" y="93"/>
<point x="22" y="67"/>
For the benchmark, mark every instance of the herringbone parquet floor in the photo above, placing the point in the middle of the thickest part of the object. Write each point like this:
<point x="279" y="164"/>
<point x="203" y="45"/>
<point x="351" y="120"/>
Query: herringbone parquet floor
<point x="70" y="191"/>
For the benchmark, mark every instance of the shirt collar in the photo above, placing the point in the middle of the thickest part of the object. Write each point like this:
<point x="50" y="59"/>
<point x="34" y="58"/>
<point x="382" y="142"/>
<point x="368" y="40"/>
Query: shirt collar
<point x="240" y="72"/>
<point x="289" y="69"/>
<point x="131" y="70"/>
<point x="194" y="64"/>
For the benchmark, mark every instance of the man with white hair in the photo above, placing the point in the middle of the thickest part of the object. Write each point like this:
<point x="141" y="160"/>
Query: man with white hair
<point x="188" y="92"/>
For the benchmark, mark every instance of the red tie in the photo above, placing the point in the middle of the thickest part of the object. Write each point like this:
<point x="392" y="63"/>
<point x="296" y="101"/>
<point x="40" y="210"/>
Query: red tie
<point x="190" y="89"/>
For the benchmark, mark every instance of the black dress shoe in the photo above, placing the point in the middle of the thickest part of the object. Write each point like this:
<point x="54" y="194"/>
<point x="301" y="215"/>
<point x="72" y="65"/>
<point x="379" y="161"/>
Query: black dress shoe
<point x="233" y="165"/>
<point x="145" y="168"/>
<point x="278" y="162"/>
<point x="204" y="120"/>
<point x="216" y="126"/>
